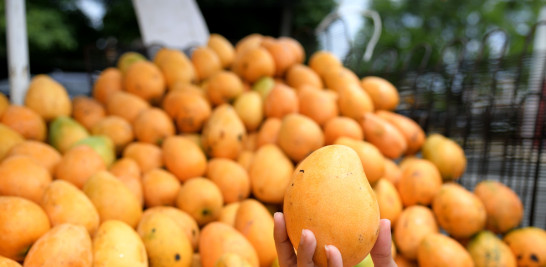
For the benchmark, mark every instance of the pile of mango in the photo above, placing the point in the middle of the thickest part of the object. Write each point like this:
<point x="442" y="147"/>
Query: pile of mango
<point x="180" y="160"/>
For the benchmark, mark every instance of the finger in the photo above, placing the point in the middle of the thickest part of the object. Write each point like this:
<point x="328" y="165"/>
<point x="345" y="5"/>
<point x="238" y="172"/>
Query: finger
<point x="334" y="256"/>
<point x="381" y="252"/>
<point x="306" y="249"/>
<point x="285" y="250"/>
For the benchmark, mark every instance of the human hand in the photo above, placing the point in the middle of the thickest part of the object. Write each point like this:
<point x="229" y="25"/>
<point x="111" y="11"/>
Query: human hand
<point x="381" y="252"/>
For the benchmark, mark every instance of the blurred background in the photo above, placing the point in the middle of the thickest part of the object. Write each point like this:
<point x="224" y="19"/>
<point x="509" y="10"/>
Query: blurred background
<point x="61" y="32"/>
<point x="471" y="70"/>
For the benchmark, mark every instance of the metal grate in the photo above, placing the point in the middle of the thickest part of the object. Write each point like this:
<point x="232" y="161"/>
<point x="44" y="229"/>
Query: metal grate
<point x="491" y="104"/>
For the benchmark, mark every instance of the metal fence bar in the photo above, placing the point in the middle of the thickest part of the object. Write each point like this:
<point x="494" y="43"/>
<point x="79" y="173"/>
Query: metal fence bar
<point x="481" y="103"/>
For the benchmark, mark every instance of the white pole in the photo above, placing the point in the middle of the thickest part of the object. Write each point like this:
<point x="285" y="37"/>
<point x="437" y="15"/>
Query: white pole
<point x="17" y="50"/>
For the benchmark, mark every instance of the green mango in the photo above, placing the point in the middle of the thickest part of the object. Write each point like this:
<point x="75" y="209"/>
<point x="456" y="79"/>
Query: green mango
<point x="64" y="132"/>
<point x="101" y="144"/>
<point x="263" y="86"/>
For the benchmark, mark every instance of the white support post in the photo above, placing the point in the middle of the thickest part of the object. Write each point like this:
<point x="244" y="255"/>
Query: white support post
<point x="17" y="45"/>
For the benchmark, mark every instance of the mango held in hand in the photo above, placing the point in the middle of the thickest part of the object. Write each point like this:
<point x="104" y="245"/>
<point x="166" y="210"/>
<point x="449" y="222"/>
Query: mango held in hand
<point x="330" y="195"/>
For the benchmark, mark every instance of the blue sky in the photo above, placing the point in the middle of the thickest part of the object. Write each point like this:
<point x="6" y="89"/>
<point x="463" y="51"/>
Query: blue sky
<point x="93" y="9"/>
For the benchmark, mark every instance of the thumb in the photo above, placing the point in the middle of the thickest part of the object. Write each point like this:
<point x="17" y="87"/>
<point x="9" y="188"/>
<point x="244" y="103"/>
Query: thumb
<point x="381" y="252"/>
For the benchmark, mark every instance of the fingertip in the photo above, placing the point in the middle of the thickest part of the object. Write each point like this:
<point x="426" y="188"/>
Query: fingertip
<point x="385" y="227"/>
<point x="381" y="251"/>
<point x="284" y="247"/>
<point x="306" y="235"/>
<point x="333" y="255"/>
<point x="306" y="248"/>
<point x="279" y="228"/>
<point x="302" y="238"/>
<point x="386" y="223"/>
<point x="331" y="249"/>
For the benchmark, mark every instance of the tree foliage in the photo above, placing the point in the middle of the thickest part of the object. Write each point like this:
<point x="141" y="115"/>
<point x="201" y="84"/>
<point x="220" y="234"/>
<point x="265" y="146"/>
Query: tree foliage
<point x="57" y="33"/>
<point x="120" y="22"/>
<point x="406" y="24"/>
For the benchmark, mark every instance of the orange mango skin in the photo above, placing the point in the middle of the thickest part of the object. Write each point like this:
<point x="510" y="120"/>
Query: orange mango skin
<point x="330" y="195"/>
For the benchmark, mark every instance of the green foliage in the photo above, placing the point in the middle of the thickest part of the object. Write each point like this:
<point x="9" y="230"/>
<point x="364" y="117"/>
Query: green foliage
<point x="407" y="23"/>
<point x="120" y="21"/>
<point x="47" y="30"/>
<point x="57" y="32"/>
<point x="48" y="26"/>
<point x="307" y="14"/>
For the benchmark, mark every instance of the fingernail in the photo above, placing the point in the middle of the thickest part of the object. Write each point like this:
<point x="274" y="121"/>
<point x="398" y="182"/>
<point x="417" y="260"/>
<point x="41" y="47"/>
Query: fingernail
<point x="303" y="237"/>
<point x="277" y="215"/>
<point x="327" y="249"/>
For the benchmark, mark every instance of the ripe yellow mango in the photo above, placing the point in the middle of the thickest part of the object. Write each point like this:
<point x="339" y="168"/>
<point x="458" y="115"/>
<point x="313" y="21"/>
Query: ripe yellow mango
<point x="166" y="243"/>
<point x="330" y="195"/>
<point x="65" y="245"/>
<point x="118" y="244"/>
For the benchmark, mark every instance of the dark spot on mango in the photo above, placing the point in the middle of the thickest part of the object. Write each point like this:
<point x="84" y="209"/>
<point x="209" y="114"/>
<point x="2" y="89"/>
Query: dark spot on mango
<point x="302" y="171"/>
<point x="24" y="251"/>
<point x="240" y="137"/>
<point x="222" y="134"/>
<point x="193" y="232"/>
<point x="176" y="257"/>
<point x="361" y="238"/>
<point x="205" y="212"/>
<point x="292" y="184"/>
<point x="159" y="141"/>
<point x="153" y="230"/>
<point x="534" y="257"/>
<point x="520" y="257"/>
